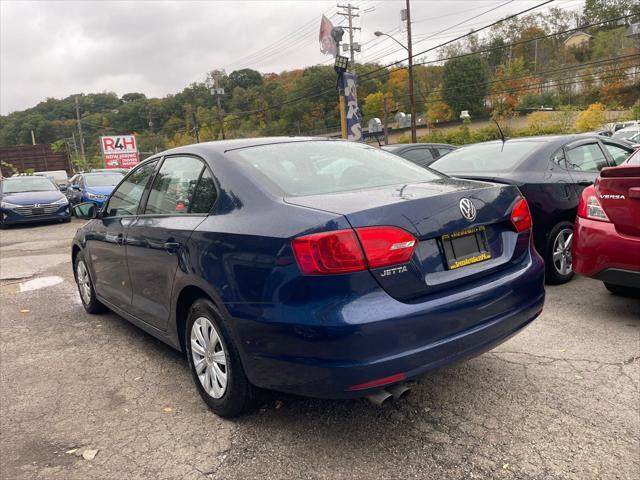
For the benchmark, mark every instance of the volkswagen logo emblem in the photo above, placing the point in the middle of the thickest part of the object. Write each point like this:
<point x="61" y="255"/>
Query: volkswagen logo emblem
<point x="468" y="209"/>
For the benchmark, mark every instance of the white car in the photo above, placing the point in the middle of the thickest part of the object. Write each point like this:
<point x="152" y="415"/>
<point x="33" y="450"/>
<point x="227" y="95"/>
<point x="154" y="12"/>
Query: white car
<point x="630" y="134"/>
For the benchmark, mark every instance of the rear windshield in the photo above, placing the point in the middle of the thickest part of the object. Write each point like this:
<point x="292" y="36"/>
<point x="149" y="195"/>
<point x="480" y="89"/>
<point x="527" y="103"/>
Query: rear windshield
<point x="27" y="184"/>
<point x="106" y="180"/>
<point x="319" y="167"/>
<point x="485" y="157"/>
<point x="628" y="134"/>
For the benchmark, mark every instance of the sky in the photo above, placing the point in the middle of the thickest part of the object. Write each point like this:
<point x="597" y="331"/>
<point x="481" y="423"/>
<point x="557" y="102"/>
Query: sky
<point x="52" y="48"/>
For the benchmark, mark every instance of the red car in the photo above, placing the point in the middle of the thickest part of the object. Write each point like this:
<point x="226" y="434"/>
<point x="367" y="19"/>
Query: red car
<point x="606" y="238"/>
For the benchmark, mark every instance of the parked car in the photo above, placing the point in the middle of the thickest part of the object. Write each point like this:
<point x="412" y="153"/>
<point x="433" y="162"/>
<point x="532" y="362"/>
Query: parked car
<point x="25" y="199"/>
<point x="423" y="154"/>
<point x="267" y="273"/>
<point x="606" y="240"/>
<point x="58" y="177"/>
<point x="550" y="172"/>
<point x="630" y="134"/>
<point x="93" y="187"/>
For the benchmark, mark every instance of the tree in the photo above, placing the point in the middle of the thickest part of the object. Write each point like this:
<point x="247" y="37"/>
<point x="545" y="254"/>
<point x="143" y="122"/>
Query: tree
<point x="591" y="119"/>
<point x="245" y="78"/>
<point x="601" y="10"/>
<point x="508" y="86"/>
<point x="130" y="97"/>
<point x="373" y="106"/>
<point x="465" y="84"/>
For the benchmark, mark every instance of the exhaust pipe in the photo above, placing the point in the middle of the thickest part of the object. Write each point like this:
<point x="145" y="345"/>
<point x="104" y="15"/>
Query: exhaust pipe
<point x="379" y="398"/>
<point x="399" y="390"/>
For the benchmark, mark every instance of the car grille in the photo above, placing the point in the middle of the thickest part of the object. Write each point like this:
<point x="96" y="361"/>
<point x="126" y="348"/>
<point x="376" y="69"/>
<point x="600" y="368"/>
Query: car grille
<point x="41" y="209"/>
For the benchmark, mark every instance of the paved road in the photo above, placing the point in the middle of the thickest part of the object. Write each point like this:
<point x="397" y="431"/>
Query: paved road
<point x="561" y="400"/>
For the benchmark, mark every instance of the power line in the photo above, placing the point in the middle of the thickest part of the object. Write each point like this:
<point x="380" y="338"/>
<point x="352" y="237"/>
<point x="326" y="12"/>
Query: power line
<point x="369" y="75"/>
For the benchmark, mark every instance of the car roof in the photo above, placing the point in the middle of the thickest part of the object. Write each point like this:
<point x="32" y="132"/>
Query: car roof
<point x="99" y="173"/>
<point x="396" y="147"/>
<point x="223" y="146"/>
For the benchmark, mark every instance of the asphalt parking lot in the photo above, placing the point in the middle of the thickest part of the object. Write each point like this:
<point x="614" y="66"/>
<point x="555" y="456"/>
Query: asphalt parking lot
<point x="561" y="400"/>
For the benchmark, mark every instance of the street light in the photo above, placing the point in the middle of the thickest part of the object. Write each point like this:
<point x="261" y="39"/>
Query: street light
<point x="411" y="97"/>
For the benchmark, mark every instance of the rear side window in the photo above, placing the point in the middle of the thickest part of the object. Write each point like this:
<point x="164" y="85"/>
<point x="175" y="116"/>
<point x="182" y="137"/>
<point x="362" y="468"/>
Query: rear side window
<point x="320" y="167"/>
<point x="618" y="154"/>
<point x="635" y="158"/>
<point x="586" y="158"/>
<point x="419" y="156"/>
<point x="181" y="187"/>
<point x="443" y="151"/>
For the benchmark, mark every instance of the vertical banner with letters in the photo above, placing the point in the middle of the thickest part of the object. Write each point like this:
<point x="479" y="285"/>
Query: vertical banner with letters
<point x="119" y="151"/>
<point x="352" y="112"/>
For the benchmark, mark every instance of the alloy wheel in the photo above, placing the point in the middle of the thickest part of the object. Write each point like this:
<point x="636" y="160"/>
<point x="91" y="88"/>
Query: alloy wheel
<point x="562" y="251"/>
<point x="84" y="282"/>
<point x="209" y="357"/>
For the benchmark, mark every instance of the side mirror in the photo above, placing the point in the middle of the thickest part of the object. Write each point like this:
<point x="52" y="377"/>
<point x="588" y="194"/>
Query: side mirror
<point x="86" y="211"/>
<point x="75" y="187"/>
<point x="63" y="188"/>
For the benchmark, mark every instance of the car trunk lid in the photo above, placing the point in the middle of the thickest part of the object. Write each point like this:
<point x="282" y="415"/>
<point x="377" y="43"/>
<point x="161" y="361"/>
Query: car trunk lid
<point x="431" y="212"/>
<point x="618" y="190"/>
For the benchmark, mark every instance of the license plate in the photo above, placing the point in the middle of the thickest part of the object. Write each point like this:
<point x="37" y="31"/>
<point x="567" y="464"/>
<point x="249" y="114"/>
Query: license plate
<point x="465" y="247"/>
<point x="37" y="211"/>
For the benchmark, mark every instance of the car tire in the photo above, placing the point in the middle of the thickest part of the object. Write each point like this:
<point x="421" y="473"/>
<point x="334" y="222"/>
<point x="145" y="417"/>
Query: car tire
<point x="85" y="286"/>
<point x="622" y="290"/>
<point x="216" y="361"/>
<point x="558" y="255"/>
<point x="66" y="220"/>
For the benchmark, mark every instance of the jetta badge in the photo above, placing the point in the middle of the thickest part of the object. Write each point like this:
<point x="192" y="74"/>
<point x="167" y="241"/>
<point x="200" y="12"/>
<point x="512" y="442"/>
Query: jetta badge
<point x="468" y="209"/>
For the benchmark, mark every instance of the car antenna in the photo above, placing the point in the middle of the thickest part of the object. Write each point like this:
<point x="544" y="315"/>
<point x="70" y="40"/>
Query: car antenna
<point x="501" y="133"/>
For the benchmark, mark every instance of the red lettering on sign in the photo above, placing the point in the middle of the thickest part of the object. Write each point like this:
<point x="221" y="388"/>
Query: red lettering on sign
<point x="129" y="142"/>
<point x="108" y="143"/>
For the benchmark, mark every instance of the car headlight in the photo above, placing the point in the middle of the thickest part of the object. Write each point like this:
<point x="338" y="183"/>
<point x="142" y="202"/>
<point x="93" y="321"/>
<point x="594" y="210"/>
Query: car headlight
<point x="94" y="196"/>
<point x="8" y="205"/>
<point x="62" y="201"/>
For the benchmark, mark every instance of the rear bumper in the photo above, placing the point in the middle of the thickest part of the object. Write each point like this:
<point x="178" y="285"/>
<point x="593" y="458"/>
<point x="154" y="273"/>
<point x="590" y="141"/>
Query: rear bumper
<point x="599" y="251"/>
<point x="378" y="337"/>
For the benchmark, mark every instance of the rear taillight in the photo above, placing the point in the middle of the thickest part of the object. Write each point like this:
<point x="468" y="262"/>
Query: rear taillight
<point x="345" y="251"/>
<point x="589" y="206"/>
<point x="384" y="246"/>
<point x="329" y="253"/>
<point x="521" y="216"/>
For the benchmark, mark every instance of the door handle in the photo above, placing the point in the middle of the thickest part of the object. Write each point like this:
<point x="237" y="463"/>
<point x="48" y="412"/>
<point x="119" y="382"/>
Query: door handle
<point x="172" y="247"/>
<point x="634" y="192"/>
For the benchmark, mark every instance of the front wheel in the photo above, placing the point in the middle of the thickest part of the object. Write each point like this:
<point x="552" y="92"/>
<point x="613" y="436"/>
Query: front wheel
<point x="85" y="287"/>
<point x="558" y="256"/>
<point x="214" y="361"/>
<point x="622" y="290"/>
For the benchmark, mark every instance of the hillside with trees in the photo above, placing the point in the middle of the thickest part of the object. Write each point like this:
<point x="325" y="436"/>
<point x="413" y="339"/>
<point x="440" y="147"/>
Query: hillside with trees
<point x="518" y="65"/>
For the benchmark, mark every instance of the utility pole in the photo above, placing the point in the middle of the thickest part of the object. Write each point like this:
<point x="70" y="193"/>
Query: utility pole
<point x="219" y="92"/>
<point x="80" y="137"/>
<point x="196" y="127"/>
<point x="353" y="47"/>
<point x="386" y="113"/>
<point x="155" y="145"/>
<point x="412" y="99"/>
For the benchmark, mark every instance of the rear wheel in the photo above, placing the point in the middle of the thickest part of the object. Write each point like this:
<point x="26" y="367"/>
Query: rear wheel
<point x="622" y="290"/>
<point x="85" y="287"/>
<point x="214" y="361"/>
<point x="558" y="255"/>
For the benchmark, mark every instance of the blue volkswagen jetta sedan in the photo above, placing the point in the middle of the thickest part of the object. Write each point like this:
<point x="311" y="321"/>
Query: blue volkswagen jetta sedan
<point x="316" y="267"/>
<point x="26" y="199"/>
